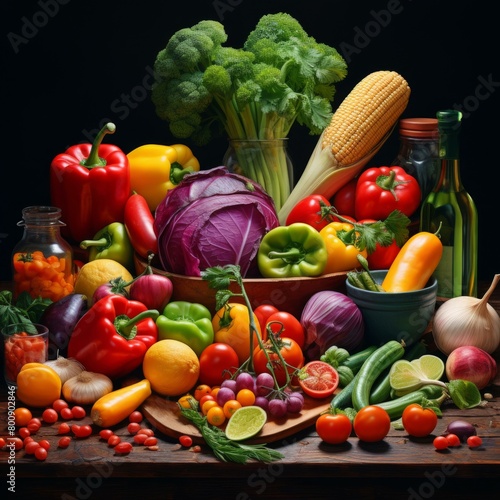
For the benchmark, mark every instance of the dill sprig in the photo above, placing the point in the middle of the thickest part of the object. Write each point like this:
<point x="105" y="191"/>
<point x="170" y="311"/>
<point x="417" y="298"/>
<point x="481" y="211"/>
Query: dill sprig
<point x="225" y="449"/>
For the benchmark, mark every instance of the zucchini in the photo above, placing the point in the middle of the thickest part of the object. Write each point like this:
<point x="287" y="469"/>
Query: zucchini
<point x="395" y="407"/>
<point x="381" y="391"/>
<point x="372" y="368"/>
<point x="343" y="399"/>
<point x="355" y="361"/>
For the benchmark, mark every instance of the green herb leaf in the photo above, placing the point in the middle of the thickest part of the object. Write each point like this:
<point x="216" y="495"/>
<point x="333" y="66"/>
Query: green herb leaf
<point x="464" y="394"/>
<point x="26" y="309"/>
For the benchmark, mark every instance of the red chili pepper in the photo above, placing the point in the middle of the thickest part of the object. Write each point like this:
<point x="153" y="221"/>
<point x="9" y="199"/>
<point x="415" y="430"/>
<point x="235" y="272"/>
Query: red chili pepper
<point x="90" y="183"/>
<point x="113" y="336"/>
<point x="139" y="223"/>
<point x="380" y="190"/>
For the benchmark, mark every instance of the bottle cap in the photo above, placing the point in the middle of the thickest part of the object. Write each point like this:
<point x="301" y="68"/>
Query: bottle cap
<point x="421" y="128"/>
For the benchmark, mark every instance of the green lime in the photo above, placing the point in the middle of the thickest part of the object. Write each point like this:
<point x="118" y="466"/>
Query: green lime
<point x="245" y="423"/>
<point x="404" y="376"/>
<point x="430" y="366"/>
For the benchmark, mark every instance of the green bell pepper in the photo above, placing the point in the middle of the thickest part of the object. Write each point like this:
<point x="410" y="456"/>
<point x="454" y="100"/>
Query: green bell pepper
<point x="292" y="251"/>
<point x="187" y="322"/>
<point x="111" y="242"/>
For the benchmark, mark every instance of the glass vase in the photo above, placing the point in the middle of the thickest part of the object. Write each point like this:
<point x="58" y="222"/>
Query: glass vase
<point x="265" y="161"/>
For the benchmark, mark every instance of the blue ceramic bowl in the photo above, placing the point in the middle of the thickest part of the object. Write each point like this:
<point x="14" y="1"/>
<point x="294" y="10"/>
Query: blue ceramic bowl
<point x="394" y="315"/>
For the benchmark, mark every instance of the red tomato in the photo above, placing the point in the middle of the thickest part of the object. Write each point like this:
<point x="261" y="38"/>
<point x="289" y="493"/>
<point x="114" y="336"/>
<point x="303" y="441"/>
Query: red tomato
<point x="371" y="423"/>
<point x="419" y="421"/>
<point x="314" y="210"/>
<point x="333" y="429"/>
<point x="318" y="379"/>
<point x="263" y="312"/>
<point x="292" y="354"/>
<point x="288" y="325"/>
<point x="381" y="257"/>
<point x="218" y="362"/>
<point x="343" y="199"/>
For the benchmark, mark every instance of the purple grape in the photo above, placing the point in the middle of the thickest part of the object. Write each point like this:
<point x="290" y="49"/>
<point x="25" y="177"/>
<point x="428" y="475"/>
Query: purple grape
<point x="296" y="394"/>
<point x="277" y="408"/>
<point x="262" y="402"/>
<point x="294" y="404"/>
<point x="245" y="381"/>
<point x="224" y="394"/>
<point x="230" y="384"/>
<point x="264" y="384"/>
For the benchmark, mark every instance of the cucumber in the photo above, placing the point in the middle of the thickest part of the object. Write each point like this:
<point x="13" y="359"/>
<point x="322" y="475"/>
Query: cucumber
<point x="372" y="368"/>
<point x="395" y="407"/>
<point x="343" y="399"/>
<point x="381" y="391"/>
<point x="355" y="361"/>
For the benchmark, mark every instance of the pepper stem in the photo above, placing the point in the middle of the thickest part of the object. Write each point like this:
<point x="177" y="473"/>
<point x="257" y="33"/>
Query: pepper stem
<point x="94" y="160"/>
<point x="101" y="242"/>
<point x="127" y="327"/>
<point x="292" y="254"/>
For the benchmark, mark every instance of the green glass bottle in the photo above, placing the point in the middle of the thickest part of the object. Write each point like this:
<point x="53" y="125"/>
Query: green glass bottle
<point x="450" y="205"/>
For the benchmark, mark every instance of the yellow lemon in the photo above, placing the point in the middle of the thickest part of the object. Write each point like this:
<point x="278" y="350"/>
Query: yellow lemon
<point x="171" y="367"/>
<point x="99" y="272"/>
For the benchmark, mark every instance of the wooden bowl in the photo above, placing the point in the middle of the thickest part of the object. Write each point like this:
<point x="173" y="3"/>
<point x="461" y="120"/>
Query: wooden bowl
<point x="287" y="294"/>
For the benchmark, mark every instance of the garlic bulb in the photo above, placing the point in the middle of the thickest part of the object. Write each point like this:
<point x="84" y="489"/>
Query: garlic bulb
<point x="86" y="387"/>
<point x="65" y="368"/>
<point x="464" y="320"/>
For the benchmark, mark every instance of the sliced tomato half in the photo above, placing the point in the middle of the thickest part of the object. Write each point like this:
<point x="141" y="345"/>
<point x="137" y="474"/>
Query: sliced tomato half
<point x="318" y="379"/>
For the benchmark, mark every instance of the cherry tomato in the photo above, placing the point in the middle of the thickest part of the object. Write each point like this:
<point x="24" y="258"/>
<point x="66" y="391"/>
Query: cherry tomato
<point x="187" y="401"/>
<point x="139" y="438"/>
<point x="64" y="442"/>
<point x="318" y="379"/>
<point x="230" y="407"/>
<point x="135" y="416"/>
<point x="218" y="362"/>
<point x="30" y="447"/>
<point x="440" y="443"/>
<point x="59" y="404"/>
<point x="245" y="397"/>
<point x="185" y="441"/>
<point x="314" y="210"/>
<point x="453" y="440"/>
<point x="288" y="326"/>
<point x="133" y="427"/>
<point x="292" y="354"/>
<point x="66" y="413"/>
<point x="24" y="432"/>
<point x="333" y="429"/>
<point x="64" y="428"/>
<point x="78" y="412"/>
<point x="41" y="453"/>
<point x="50" y="416"/>
<point x="215" y="416"/>
<point x="150" y="441"/>
<point x="343" y="199"/>
<point x="123" y="448"/>
<point x="34" y="425"/>
<point x="17" y="441"/>
<point x="419" y="421"/>
<point x="22" y="416"/>
<point x="474" y="441"/>
<point x="202" y="390"/>
<point x="371" y="423"/>
<point x="263" y="312"/>
<point x="44" y="443"/>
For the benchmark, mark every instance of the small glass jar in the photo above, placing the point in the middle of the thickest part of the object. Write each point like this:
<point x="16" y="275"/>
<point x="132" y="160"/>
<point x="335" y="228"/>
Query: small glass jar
<point x="419" y="151"/>
<point x="42" y="261"/>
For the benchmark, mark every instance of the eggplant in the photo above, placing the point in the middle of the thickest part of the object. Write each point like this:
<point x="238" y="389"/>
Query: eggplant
<point x="60" y="318"/>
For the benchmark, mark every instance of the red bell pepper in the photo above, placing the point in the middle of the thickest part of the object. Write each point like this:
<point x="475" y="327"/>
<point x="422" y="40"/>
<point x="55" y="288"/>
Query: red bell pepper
<point x="381" y="190"/>
<point x="113" y="336"/>
<point x="90" y="183"/>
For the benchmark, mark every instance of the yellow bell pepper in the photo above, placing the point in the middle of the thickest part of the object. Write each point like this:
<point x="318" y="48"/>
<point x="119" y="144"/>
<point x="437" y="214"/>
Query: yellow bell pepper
<point x="155" y="169"/>
<point x="38" y="385"/>
<point x="342" y="255"/>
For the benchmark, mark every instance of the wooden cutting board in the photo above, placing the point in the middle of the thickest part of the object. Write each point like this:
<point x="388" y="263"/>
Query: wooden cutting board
<point x="166" y="416"/>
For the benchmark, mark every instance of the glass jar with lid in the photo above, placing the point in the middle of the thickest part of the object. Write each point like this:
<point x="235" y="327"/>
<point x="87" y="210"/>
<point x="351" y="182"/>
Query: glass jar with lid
<point x="42" y="261"/>
<point x="419" y="151"/>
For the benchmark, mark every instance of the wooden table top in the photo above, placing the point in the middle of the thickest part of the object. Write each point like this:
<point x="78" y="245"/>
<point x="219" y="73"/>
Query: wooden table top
<point x="397" y="467"/>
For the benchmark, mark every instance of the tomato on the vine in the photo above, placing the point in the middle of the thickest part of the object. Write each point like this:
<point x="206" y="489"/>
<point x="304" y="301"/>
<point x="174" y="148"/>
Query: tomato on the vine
<point x="314" y="210"/>
<point x="291" y="353"/>
<point x="419" y="421"/>
<point x="288" y="325"/>
<point x="333" y="428"/>
<point x="263" y="312"/>
<point x="218" y="361"/>
<point x="371" y="423"/>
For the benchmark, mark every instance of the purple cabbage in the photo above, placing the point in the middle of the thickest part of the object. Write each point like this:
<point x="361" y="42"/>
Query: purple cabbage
<point x="213" y="218"/>
<point x="331" y="318"/>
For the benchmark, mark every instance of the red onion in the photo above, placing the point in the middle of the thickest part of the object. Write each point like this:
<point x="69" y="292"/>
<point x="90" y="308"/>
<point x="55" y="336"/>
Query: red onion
<point x="331" y="318"/>
<point x="462" y="429"/>
<point x="153" y="290"/>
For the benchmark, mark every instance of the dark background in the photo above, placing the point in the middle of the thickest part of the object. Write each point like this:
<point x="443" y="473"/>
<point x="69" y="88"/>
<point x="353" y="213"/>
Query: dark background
<point x="69" y="66"/>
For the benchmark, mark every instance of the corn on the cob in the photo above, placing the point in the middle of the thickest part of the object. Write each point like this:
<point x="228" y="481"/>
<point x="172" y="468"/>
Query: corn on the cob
<point x="358" y="129"/>
<point x="366" y="115"/>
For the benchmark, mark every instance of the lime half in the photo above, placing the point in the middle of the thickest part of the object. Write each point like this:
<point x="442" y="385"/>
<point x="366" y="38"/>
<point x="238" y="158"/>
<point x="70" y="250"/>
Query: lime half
<point x="406" y="376"/>
<point x="431" y="366"/>
<point x="245" y="423"/>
